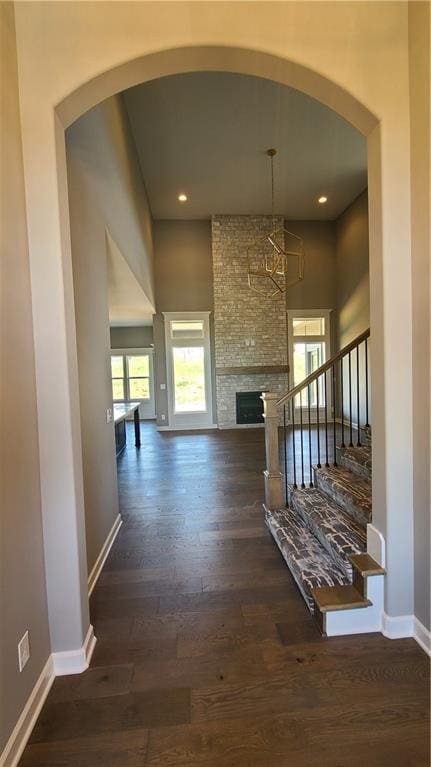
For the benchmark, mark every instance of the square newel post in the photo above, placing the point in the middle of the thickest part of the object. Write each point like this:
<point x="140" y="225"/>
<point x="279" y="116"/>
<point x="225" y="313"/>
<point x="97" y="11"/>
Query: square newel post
<point x="273" y="477"/>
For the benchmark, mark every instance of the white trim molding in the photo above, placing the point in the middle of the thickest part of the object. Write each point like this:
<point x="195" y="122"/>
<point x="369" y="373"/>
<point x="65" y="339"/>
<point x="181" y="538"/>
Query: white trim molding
<point x="189" y="428"/>
<point x="75" y="661"/>
<point x="363" y="621"/>
<point x="376" y="545"/>
<point x="422" y="636"/>
<point x="101" y="559"/>
<point x="21" y="732"/>
<point x="404" y="626"/>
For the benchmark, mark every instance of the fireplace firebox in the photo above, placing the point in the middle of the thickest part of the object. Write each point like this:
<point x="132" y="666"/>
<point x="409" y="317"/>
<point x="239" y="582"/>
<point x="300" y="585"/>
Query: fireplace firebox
<point x="249" y="407"/>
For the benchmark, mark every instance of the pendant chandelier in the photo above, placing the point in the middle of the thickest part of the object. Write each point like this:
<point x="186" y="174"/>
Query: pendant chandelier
<point x="275" y="262"/>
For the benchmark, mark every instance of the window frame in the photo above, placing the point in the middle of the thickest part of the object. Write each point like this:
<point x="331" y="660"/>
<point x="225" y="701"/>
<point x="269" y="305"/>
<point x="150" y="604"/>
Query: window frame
<point x="298" y="314"/>
<point x="137" y="352"/>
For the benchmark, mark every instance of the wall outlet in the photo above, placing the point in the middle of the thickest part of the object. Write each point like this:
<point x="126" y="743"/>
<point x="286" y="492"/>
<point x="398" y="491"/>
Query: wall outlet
<point x="163" y="417"/>
<point x="163" y="387"/>
<point x="23" y="651"/>
<point x="109" y="415"/>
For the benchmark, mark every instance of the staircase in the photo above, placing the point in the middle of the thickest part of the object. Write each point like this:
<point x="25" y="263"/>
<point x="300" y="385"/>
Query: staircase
<point x="321" y="527"/>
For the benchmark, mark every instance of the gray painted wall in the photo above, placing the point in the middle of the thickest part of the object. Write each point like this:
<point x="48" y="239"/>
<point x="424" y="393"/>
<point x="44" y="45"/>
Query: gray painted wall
<point x="352" y="314"/>
<point x="131" y="337"/>
<point x="183" y="283"/>
<point x="318" y="288"/>
<point x="103" y="195"/>
<point x="22" y="582"/>
<point x="419" y="61"/>
<point x="352" y="271"/>
<point x="183" y="266"/>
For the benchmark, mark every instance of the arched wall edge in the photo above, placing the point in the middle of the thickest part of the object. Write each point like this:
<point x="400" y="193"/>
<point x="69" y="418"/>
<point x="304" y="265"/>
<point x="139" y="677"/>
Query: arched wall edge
<point x="286" y="72"/>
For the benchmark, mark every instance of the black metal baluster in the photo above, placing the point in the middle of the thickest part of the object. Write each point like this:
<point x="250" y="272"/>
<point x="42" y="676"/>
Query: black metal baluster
<point x="366" y="383"/>
<point x="358" y="441"/>
<point x="309" y="435"/>
<point x="318" y="424"/>
<point x="302" y="441"/>
<point x="350" y="401"/>
<point x="326" y="418"/>
<point x="333" y="415"/>
<point x="293" y="442"/>
<point x="342" y="403"/>
<point x="285" y="457"/>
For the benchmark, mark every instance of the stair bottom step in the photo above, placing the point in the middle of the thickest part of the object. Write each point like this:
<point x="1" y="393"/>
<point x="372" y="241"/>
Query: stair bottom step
<point x="339" y="598"/>
<point x="310" y="564"/>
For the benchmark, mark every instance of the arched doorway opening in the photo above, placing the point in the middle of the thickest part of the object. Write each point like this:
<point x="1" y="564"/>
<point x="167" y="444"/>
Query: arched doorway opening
<point x="176" y="61"/>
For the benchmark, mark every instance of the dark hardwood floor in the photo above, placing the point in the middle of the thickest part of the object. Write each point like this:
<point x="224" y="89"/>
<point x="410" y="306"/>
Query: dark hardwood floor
<point x="206" y="653"/>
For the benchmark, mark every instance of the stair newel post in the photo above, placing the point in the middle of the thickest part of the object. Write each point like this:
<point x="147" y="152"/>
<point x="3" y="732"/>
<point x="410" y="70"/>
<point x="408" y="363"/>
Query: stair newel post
<point x="273" y="476"/>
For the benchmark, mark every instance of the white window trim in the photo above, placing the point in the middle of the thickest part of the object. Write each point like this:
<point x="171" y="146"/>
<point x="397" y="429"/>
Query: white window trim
<point x="326" y="338"/>
<point x="192" y="419"/>
<point x="131" y="352"/>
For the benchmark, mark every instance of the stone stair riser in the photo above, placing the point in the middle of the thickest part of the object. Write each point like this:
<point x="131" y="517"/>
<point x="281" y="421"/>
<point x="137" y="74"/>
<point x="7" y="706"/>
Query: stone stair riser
<point x="338" y="540"/>
<point x="344" y="458"/>
<point x="340" y="496"/>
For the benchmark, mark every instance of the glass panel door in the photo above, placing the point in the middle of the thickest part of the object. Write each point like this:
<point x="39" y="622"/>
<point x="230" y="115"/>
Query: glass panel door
<point x="189" y="379"/>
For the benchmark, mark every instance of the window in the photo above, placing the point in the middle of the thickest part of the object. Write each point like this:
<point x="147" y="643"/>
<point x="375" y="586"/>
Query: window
<point x="187" y="329"/>
<point x="309" y="348"/>
<point x="131" y="376"/>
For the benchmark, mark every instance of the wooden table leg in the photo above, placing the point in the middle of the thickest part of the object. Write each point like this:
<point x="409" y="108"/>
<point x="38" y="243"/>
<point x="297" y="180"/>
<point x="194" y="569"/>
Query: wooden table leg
<point x="137" y="427"/>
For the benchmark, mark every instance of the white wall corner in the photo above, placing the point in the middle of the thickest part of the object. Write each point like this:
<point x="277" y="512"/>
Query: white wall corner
<point x="75" y="661"/>
<point x="21" y="732"/>
<point x="397" y="626"/>
<point x="376" y="545"/>
<point x="101" y="559"/>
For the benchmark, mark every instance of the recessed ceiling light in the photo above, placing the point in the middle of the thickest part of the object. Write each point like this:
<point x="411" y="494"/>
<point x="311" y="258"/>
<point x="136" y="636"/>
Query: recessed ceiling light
<point x="182" y="197"/>
<point x="322" y="199"/>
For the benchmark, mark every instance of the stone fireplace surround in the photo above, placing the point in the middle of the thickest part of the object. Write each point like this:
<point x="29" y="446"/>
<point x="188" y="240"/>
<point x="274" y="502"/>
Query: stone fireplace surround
<point x="250" y="329"/>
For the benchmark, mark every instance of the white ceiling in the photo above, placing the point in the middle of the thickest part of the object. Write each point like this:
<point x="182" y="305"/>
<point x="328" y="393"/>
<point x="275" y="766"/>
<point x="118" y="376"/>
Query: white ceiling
<point x="206" y="134"/>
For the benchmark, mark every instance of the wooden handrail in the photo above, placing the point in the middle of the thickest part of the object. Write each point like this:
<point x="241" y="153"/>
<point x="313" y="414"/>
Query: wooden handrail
<point x="323" y="368"/>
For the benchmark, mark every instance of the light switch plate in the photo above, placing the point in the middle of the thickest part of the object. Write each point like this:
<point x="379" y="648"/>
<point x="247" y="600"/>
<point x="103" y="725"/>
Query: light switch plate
<point x="109" y="415"/>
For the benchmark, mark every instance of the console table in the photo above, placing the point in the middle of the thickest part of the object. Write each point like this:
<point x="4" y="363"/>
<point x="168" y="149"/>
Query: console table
<point x="121" y="411"/>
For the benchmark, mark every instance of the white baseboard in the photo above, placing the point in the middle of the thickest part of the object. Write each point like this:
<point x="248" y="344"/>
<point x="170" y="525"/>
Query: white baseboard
<point x="101" y="559"/>
<point x="398" y="626"/>
<point x="224" y="426"/>
<point x="403" y="626"/>
<point x="24" y="726"/>
<point x="187" y="428"/>
<point x="75" y="661"/>
<point x="422" y="636"/>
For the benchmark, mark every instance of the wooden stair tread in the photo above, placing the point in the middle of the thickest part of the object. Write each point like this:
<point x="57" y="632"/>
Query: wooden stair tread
<point x="330" y="598"/>
<point x="366" y="565"/>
